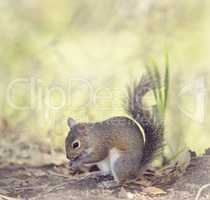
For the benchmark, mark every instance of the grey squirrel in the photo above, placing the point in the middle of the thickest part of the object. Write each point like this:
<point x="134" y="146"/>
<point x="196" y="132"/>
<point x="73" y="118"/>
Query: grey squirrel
<point x="118" y="146"/>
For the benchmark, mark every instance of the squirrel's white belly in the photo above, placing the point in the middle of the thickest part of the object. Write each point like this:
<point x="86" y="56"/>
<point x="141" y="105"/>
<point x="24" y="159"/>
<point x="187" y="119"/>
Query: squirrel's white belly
<point x="107" y="165"/>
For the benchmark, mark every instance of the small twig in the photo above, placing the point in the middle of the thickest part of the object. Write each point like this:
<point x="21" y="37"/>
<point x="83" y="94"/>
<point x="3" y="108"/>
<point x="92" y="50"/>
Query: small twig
<point x="3" y="197"/>
<point x="55" y="188"/>
<point x="23" y="188"/>
<point x="60" y="175"/>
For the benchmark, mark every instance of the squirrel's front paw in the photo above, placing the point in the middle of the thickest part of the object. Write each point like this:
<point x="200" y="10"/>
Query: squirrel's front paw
<point x="74" y="165"/>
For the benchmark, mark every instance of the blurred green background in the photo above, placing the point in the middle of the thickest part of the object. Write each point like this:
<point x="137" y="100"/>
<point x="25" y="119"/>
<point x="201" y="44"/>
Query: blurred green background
<point x="75" y="58"/>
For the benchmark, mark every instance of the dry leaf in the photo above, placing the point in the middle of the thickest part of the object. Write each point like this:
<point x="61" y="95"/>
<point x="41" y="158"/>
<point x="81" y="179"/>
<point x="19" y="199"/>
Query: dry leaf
<point x="143" y="182"/>
<point x="154" y="191"/>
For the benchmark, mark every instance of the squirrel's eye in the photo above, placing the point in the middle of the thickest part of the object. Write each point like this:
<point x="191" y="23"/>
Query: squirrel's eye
<point x="76" y="144"/>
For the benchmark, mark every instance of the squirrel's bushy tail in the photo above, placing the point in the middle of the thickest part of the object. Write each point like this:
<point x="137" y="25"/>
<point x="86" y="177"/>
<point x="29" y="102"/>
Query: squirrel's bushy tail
<point x="153" y="126"/>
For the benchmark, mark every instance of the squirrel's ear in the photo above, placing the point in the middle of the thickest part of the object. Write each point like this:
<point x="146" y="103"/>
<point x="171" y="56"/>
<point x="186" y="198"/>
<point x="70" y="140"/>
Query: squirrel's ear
<point x="71" y="122"/>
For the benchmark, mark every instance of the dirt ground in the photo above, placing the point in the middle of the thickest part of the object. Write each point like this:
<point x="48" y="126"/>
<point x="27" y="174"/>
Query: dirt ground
<point x="55" y="182"/>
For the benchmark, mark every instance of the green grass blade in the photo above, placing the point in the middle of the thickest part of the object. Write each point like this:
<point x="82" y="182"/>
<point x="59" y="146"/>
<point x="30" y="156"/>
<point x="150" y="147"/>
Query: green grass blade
<point x="166" y="81"/>
<point x="159" y="88"/>
<point x="161" y="91"/>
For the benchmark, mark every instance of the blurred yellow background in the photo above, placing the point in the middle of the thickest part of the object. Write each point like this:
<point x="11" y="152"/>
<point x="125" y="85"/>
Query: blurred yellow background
<point x="75" y="58"/>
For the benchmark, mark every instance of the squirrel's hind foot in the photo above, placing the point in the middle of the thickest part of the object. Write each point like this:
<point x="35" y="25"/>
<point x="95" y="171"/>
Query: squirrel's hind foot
<point x="111" y="184"/>
<point x="97" y="175"/>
